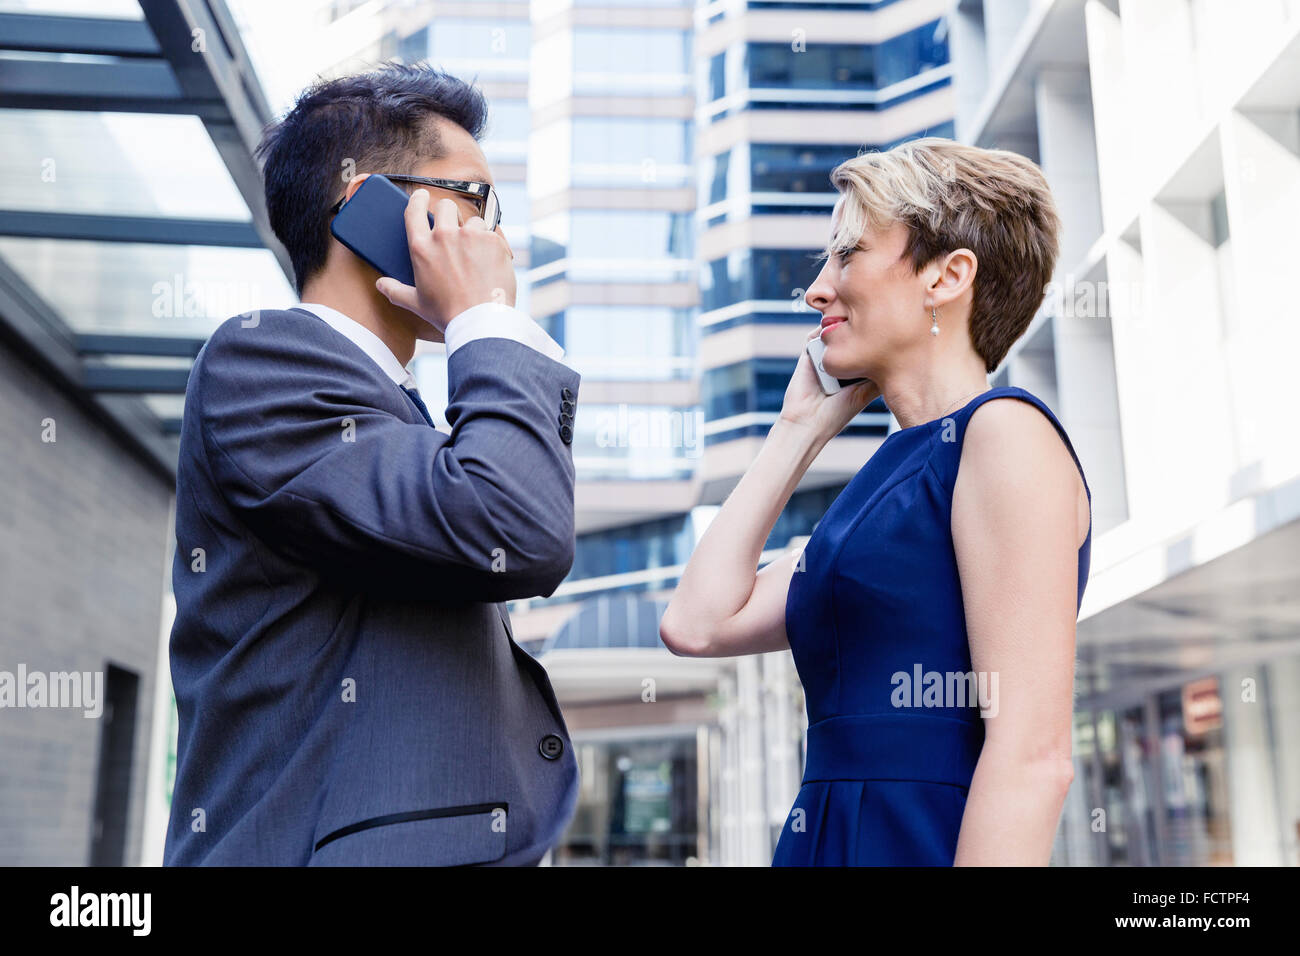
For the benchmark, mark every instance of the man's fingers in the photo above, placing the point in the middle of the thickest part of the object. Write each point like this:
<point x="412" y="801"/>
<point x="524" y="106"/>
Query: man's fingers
<point x="398" y="293"/>
<point x="446" y="216"/>
<point x="477" y="223"/>
<point x="417" y="218"/>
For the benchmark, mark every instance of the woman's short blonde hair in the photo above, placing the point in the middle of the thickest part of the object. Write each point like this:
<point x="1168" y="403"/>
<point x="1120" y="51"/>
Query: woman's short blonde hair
<point x="993" y="202"/>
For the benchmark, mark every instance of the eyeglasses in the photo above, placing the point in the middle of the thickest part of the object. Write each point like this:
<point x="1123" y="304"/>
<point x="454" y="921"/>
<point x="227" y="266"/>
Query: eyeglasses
<point x="484" y="196"/>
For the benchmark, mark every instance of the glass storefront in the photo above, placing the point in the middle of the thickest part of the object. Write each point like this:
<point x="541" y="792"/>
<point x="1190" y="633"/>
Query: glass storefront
<point x="1163" y="779"/>
<point x="638" y="805"/>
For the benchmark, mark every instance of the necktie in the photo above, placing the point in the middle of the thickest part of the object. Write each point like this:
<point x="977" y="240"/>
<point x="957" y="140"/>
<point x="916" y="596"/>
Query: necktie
<point x="414" y="395"/>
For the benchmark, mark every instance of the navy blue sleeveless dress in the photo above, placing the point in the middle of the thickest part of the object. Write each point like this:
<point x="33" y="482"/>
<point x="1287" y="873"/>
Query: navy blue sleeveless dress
<point x="878" y="596"/>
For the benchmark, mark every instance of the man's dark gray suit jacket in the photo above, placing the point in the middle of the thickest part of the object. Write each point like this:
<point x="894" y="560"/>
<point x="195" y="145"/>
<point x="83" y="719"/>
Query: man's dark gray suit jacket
<point x="348" y="686"/>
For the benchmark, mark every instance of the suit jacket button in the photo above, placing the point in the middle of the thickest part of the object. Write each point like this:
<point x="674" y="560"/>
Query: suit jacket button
<point x="566" y="393"/>
<point x="567" y="434"/>
<point x="551" y="747"/>
<point x="567" y="407"/>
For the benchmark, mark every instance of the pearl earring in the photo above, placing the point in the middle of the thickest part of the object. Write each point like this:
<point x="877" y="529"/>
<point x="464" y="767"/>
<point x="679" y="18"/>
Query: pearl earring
<point x="934" y="329"/>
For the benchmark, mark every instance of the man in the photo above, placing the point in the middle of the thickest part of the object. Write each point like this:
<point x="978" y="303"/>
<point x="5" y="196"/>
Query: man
<point x="348" y="685"/>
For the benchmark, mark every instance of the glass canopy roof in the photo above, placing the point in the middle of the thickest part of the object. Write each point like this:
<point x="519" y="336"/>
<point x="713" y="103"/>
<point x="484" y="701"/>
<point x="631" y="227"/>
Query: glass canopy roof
<point x="125" y="9"/>
<point x="131" y="214"/>
<point x="129" y="164"/>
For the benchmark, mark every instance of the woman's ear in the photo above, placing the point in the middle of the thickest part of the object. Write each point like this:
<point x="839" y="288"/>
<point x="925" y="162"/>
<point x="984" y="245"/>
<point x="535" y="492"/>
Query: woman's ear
<point x="956" y="270"/>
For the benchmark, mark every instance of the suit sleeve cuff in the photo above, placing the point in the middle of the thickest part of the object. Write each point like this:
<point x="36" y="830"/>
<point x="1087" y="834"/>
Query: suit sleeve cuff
<point x="501" y="321"/>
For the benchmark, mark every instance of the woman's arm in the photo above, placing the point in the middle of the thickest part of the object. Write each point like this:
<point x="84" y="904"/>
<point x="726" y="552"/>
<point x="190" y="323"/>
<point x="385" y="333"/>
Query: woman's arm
<point x="1015" y="531"/>
<point x="721" y="607"/>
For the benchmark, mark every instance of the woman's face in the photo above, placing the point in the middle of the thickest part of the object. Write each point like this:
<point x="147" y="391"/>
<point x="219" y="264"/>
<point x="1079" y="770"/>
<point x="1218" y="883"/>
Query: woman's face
<point x="872" y="305"/>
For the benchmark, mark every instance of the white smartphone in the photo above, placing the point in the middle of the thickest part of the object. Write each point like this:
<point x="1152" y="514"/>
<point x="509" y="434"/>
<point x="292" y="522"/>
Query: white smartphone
<point x="830" y="384"/>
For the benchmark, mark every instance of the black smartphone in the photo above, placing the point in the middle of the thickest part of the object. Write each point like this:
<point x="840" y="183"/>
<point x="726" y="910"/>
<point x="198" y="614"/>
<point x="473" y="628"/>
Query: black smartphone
<point x="373" y="225"/>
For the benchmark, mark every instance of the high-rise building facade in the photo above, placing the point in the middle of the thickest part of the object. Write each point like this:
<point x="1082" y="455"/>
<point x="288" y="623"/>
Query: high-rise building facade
<point x="1170" y="133"/>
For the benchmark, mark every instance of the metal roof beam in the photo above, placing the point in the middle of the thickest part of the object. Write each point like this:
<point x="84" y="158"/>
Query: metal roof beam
<point x="108" y="228"/>
<point x="132" y="380"/>
<point x="131" y="86"/>
<point x="172" y="346"/>
<point x="102" y="36"/>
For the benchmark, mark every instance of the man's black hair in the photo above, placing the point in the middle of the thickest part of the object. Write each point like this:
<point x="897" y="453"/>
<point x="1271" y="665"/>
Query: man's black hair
<point x="378" y="121"/>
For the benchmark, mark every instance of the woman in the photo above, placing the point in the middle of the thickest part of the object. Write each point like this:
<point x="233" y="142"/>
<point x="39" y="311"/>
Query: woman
<point x="955" y="560"/>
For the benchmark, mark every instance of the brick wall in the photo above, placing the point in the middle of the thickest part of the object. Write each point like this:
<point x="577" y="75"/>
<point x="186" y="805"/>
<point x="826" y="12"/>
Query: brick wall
<point x="83" y="546"/>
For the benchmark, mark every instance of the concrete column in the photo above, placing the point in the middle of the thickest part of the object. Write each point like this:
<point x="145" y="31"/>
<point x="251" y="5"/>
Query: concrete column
<point x="1002" y="22"/>
<point x="1067" y="151"/>
<point x="969" y="56"/>
<point x="755" y="847"/>
<point x="1252" y="796"/>
<point x="1087" y="398"/>
<point x="782" y="723"/>
<point x="1282" y="689"/>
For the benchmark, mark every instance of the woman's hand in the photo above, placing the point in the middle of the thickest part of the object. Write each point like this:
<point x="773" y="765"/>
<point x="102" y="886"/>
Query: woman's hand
<point x="807" y="406"/>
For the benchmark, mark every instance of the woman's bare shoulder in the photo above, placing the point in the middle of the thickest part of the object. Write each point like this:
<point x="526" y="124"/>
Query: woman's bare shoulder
<point x="1013" y="458"/>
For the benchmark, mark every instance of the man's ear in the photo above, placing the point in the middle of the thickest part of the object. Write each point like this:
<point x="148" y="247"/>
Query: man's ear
<point x="354" y="184"/>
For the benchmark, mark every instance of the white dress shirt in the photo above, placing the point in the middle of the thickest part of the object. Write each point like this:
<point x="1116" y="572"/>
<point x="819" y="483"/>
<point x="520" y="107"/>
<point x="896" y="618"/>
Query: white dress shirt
<point x="482" y="321"/>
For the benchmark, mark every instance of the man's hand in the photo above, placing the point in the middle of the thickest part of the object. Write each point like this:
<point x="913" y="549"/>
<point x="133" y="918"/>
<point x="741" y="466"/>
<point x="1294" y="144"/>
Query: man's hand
<point x="455" y="266"/>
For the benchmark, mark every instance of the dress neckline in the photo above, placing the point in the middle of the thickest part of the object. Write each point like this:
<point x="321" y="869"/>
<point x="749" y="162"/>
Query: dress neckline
<point x="912" y="428"/>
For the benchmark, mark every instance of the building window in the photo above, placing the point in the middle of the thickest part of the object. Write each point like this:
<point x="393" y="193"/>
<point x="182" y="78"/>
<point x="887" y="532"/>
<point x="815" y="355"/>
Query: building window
<point x="771" y="274"/>
<point x="830" y="66"/>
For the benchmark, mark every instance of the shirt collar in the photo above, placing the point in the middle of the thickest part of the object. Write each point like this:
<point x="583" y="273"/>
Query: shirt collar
<point x="363" y="339"/>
